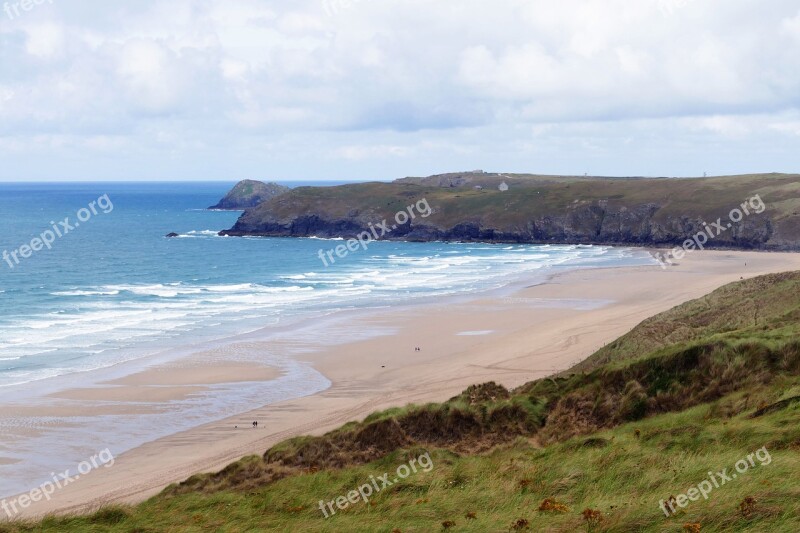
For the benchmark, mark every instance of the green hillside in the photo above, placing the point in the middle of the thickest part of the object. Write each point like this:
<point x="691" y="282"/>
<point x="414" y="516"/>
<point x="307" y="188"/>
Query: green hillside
<point x="697" y="389"/>
<point x="545" y="209"/>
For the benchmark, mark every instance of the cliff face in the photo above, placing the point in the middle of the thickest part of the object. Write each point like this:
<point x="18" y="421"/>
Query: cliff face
<point x="754" y="212"/>
<point x="585" y="225"/>
<point x="249" y="193"/>
<point x="597" y="225"/>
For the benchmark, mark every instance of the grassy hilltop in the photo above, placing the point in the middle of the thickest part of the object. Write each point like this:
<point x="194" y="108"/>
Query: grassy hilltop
<point x="543" y="209"/>
<point x="692" y="390"/>
<point x="249" y="193"/>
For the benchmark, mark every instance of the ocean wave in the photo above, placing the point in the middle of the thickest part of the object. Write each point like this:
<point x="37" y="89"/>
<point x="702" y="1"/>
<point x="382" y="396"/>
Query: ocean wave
<point x="173" y="290"/>
<point x="299" y="277"/>
<point x="103" y="323"/>
<point x="200" y="234"/>
<point x="161" y="290"/>
<point x="85" y="293"/>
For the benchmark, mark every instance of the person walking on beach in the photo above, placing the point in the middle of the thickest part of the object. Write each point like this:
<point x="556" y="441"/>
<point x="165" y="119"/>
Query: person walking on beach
<point x="255" y="424"/>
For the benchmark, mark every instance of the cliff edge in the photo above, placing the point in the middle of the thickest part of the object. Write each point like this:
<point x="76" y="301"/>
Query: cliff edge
<point x="744" y="212"/>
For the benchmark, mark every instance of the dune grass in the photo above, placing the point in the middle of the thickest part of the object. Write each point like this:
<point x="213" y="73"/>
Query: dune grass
<point x="623" y="473"/>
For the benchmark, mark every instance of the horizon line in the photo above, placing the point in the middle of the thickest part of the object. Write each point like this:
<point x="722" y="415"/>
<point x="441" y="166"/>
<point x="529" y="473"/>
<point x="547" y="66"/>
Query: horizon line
<point x="512" y="175"/>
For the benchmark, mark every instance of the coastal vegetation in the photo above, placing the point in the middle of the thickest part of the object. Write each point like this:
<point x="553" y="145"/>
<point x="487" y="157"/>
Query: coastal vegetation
<point x="598" y="448"/>
<point x="520" y="208"/>
<point x="249" y="193"/>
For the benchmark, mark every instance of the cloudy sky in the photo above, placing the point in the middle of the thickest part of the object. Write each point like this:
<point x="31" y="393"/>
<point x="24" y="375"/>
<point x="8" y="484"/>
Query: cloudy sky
<point x="381" y="89"/>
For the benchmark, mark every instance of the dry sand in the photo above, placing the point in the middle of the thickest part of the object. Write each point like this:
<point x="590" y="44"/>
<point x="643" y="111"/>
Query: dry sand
<point x="510" y="339"/>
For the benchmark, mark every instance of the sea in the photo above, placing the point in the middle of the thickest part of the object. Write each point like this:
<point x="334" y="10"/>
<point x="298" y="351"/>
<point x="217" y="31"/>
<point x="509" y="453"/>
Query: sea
<point x="91" y="285"/>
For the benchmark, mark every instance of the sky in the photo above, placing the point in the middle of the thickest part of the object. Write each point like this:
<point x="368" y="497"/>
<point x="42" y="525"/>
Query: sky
<point x="96" y="90"/>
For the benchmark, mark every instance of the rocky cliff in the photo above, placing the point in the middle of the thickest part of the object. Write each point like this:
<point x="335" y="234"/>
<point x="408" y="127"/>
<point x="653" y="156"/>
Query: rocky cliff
<point x="747" y="212"/>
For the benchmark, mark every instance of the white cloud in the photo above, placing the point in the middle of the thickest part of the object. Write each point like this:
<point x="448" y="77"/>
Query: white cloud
<point x="791" y="26"/>
<point x="45" y="40"/>
<point x="791" y="128"/>
<point x="725" y="126"/>
<point x="528" y="82"/>
<point x="371" y="152"/>
<point x="149" y="73"/>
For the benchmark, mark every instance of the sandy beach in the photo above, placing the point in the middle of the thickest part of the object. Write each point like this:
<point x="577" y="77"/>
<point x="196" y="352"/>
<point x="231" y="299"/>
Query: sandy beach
<point x="510" y="337"/>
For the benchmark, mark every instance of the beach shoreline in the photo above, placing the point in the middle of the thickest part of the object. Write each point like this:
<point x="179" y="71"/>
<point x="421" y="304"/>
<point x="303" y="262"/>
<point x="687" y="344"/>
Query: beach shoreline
<point x="510" y="337"/>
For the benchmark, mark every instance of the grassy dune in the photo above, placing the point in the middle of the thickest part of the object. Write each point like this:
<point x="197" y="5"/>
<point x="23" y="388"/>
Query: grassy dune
<point x="693" y="390"/>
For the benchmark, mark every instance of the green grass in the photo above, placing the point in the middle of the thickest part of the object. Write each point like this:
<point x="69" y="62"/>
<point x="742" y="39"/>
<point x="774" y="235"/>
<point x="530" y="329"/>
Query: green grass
<point x="621" y="475"/>
<point x="690" y="391"/>
<point x="764" y="309"/>
<point x="547" y="200"/>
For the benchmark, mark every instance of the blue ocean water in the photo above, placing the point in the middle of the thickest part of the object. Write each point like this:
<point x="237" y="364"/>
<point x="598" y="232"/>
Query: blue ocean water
<point x="114" y="295"/>
<point x="115" y="288"/>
